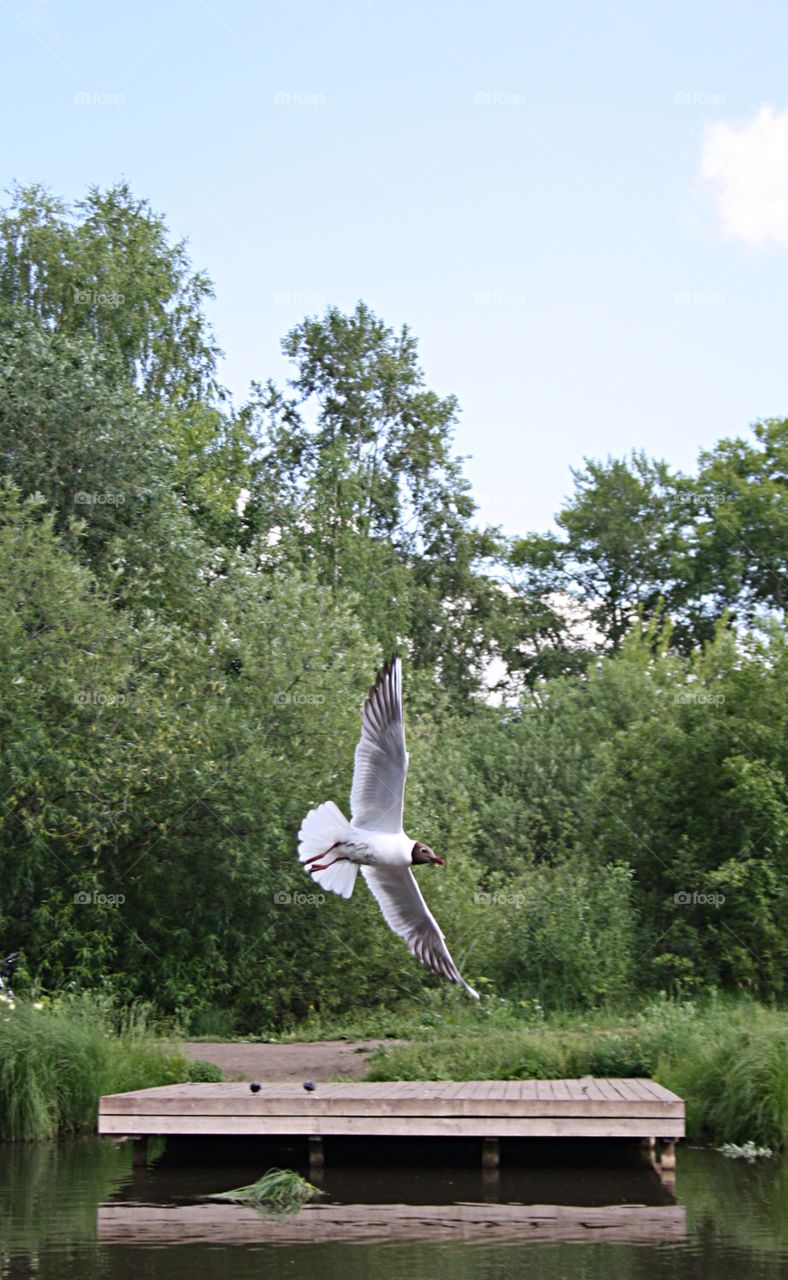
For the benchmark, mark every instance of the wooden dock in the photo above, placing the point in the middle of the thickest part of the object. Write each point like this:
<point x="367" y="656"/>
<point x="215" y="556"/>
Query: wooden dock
<point x="485" y="1109"/>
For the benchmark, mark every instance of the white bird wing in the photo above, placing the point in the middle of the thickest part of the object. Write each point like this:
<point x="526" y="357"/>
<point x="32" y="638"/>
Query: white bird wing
<point x="407" y="914"/>
<point x="381" y="761"/>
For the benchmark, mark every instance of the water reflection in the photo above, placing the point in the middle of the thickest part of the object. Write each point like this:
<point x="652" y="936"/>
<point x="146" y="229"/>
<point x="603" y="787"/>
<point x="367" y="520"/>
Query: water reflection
<point x="79" y="1209"/>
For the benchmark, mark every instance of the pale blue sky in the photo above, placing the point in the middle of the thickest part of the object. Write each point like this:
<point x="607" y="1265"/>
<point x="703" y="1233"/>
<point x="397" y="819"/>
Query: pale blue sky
<point x="521" y="183"/>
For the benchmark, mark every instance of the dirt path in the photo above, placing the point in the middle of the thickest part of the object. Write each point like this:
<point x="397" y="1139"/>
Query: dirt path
<point x="315" y="1060"/>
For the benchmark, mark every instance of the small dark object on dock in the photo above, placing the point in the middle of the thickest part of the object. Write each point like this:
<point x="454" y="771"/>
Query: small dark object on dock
<point x="310" y="1086"/>
<point x="255" y="1086"/>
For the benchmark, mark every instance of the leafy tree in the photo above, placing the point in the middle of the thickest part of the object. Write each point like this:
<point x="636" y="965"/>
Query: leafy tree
<point x="357" y="479"/>
<point x="740" y="526"/>
<point x="105" y="269"/>
<point x="547" y="631"/>
<point x="97" y="451"/>
<point x="104" y="281"/>
<point x="636" y="540"/>
<point x="620" y="555"/>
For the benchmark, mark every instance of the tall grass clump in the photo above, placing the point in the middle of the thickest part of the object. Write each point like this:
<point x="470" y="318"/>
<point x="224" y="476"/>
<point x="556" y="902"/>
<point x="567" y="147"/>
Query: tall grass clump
<point x="279" y="1191"/>
<point x="734" y="1077"/>
<point x="58" y="1058"/>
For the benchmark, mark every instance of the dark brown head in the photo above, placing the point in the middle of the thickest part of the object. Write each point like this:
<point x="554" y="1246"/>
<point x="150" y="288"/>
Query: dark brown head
<point x="423" y="853"/>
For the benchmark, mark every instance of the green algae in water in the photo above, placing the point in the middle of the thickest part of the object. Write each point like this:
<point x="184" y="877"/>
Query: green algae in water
<point x="278" y="1191"/>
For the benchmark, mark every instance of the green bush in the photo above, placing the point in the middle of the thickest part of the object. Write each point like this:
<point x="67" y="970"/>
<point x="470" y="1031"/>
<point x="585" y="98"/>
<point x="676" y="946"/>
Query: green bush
<point x="205" y="1072"/>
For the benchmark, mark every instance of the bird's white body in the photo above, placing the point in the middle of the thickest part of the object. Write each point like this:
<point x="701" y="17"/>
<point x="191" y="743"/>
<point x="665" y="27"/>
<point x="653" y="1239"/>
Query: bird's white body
<point x="378" y="848"/>
<point x="333" y="850"/>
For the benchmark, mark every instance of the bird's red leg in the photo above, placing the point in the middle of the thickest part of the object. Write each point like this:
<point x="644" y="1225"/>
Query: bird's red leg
<point x="328" y="864"/>
<point x="324" y="854"/>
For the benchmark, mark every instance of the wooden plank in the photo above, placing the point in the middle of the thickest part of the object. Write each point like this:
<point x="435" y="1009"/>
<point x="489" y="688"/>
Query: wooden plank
<point x="143" y="1224"/>
<point x="631" y="1089"/>
<point x="560" y="1091"/>
<point x="653" y="1087"/>
<point x="576" y="1090"/>
<point x="398" y="1126"/>
<point x="607" y="1090"/>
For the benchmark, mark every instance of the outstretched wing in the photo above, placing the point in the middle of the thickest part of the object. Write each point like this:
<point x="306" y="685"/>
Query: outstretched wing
<point x="381" y="761"/>
<point x="406" y="912"/>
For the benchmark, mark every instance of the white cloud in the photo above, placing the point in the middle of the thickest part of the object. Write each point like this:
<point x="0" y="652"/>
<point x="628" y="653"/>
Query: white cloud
<point x="748" y="168"/>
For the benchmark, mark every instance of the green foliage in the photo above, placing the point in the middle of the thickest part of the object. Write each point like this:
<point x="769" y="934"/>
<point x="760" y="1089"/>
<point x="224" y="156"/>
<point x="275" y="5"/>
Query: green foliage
<point x="205" y="1072"/>
<point x="105" y="270"/>
<point x="58" y="1059"/>
<point x="740" y="527"/>
<point x="358" y="480"/>
<point x="562" y="933"/>
<point x="636" y="540"/>
<point x="623" y="531"/>
<point x="671" y="767"/>
<point x="734" y="1079"/>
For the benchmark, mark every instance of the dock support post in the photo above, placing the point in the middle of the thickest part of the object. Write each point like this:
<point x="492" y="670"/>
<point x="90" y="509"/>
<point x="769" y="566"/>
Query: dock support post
<point x="667" y="1155"/>
<point x="139" y="1152"/>
<point x="317" y="1155"/>
<point x="491" y="1153"/>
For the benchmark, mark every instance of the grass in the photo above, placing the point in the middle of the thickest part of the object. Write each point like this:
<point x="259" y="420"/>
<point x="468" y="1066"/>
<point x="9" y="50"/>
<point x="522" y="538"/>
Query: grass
<point x="279" y="1191"/>
<point x="443" y="1008"/>
<point x="725" y="1057"/>
<point x="58" y="1057"/>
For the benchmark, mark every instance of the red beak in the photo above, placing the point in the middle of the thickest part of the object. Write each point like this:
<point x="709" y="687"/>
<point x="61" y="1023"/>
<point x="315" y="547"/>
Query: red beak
<point x="439" y="861"/>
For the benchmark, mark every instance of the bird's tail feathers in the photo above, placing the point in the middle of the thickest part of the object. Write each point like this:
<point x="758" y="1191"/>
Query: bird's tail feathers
<point x="339" y="877"/>
<point x="322" y="829"/>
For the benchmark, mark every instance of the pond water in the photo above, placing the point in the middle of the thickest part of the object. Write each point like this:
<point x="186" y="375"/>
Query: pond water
<point x="78" y="1209"/>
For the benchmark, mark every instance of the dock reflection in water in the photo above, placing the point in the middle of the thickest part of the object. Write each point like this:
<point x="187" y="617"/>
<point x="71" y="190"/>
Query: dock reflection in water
<point x="561" y="1195"/>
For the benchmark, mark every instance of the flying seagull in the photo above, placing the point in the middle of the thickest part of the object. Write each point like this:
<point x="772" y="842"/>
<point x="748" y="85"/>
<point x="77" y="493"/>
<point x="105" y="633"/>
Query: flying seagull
<point x="333" y="849"/>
